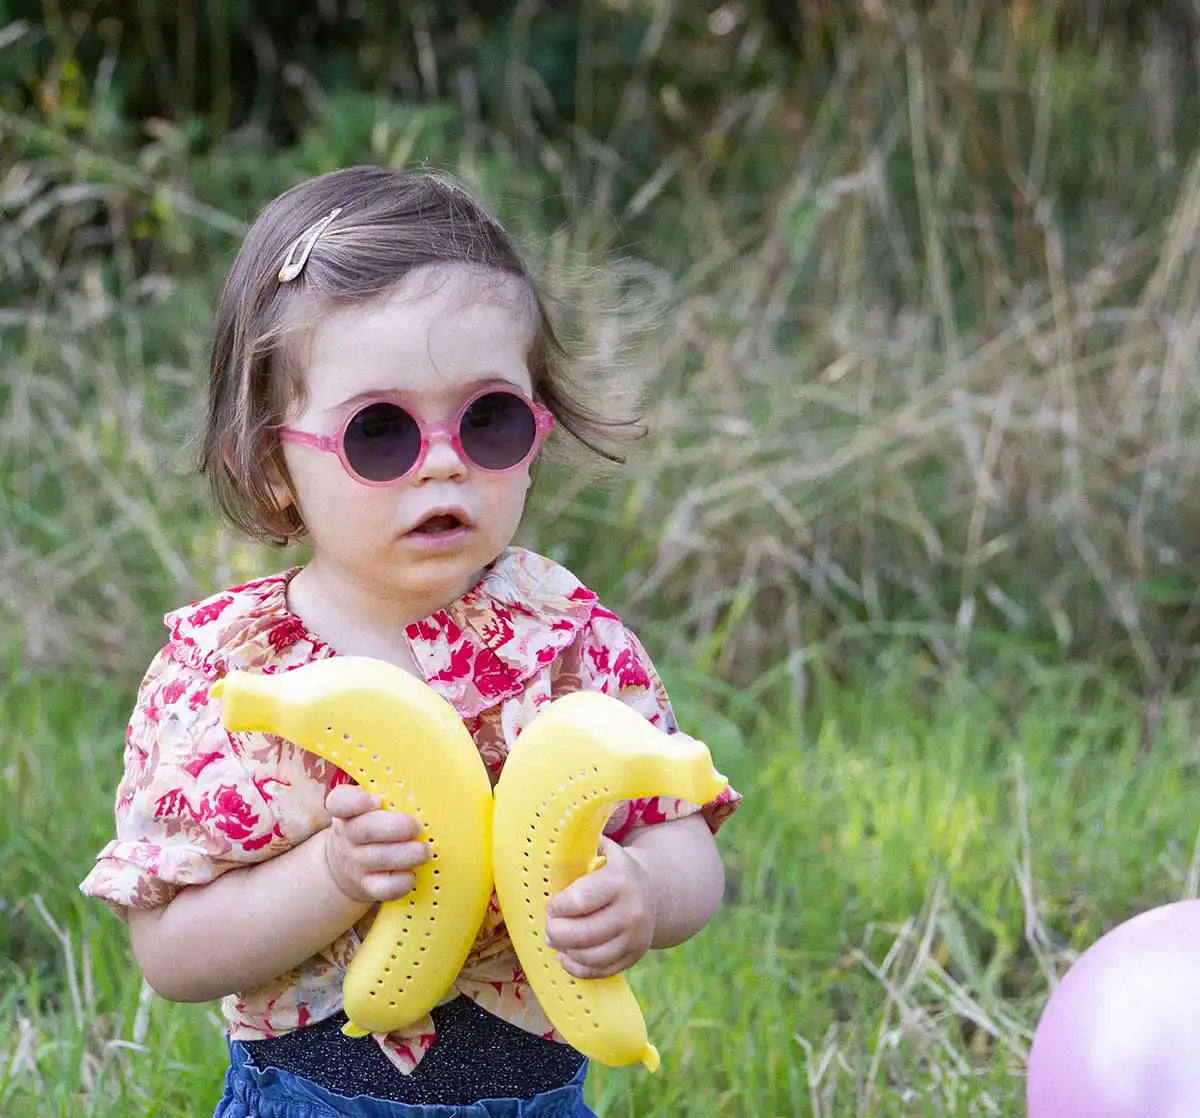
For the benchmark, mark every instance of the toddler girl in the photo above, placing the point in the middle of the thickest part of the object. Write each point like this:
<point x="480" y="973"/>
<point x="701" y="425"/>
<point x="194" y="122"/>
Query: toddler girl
<point x="383" y="375"/>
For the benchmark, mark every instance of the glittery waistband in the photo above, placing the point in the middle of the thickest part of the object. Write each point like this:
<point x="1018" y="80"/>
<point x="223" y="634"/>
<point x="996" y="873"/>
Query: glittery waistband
<point x="476" y="1056"/>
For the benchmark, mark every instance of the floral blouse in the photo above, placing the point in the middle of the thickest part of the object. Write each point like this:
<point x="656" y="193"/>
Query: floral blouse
<point x="196" y="800"/>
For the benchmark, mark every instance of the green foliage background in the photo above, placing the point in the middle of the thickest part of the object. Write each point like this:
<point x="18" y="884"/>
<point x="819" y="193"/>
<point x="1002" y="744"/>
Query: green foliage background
<point x="911" y="291"/>
<point x="913" y="288"/>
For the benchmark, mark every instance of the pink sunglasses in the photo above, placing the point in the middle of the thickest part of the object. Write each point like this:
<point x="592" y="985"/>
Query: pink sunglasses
<point x="496" y="430"/>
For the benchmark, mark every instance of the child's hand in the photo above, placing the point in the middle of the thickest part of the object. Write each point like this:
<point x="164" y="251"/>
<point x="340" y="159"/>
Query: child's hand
<point x="603" y="923"/>
<point x="371" y="853"/>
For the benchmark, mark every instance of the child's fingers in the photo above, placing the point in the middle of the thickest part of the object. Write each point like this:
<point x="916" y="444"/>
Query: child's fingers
<point x="388" y="886"/>
<point x="390" y="857"/>
<point x="358" y="818"/>
<point x="569" y="933"/>
<point x="597" y="962"/>
<point x="379" y="826"/>
<point x="367" y="868"/>
<point x="348" y="800"/>
<point x="585" y="895"/>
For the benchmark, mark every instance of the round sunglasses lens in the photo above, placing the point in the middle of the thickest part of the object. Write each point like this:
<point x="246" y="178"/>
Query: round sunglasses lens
<point x="498" y="430"/>
<point x="382" y="442"/>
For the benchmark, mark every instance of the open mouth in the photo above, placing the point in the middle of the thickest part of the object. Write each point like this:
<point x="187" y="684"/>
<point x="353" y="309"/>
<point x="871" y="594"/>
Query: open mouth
<point x="442" y="522"/>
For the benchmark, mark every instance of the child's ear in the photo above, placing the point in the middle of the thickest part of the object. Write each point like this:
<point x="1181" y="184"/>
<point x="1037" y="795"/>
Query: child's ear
<point x="277" y="480"/>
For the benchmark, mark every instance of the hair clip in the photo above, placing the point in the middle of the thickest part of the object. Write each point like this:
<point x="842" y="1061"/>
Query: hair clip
<point x="305" y="242"/>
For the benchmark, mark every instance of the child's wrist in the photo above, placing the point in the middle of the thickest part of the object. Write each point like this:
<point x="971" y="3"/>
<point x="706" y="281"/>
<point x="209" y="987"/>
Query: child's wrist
<point x="644" y="863"/>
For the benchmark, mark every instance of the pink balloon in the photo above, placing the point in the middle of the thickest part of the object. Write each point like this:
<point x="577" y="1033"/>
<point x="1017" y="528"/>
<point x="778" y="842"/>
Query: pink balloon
<point x="1120" y="1036"/>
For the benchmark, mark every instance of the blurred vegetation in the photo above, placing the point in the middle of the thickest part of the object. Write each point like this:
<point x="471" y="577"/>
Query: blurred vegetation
<point x="913" y="291"/>
<point x="914" y="287"/>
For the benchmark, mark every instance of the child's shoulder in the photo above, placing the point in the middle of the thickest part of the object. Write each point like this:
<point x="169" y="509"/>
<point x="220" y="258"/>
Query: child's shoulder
<point x="527" y="620"/>
<point x="531" y="609"/>
<point x="539" y="587"/>
<point x="244" y="626"/>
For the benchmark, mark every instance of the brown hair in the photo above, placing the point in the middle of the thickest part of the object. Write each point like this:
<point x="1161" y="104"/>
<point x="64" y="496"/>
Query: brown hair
<point x="390" y="222"/>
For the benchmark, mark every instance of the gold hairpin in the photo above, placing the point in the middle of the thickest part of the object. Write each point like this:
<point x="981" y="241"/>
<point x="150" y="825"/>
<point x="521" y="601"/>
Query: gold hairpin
<point x="305" y="242"/>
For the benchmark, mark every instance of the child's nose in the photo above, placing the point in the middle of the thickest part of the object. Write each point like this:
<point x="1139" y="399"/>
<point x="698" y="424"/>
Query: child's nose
<point x="442" y="459"/>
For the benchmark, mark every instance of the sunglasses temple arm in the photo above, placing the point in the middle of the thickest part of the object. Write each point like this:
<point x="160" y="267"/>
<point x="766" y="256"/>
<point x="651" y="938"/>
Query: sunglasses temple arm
<point x="304" y="438"/>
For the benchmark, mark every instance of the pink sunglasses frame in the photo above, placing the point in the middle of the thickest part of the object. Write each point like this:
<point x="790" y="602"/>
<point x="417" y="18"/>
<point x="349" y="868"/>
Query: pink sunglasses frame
<point x="445" y="429"/>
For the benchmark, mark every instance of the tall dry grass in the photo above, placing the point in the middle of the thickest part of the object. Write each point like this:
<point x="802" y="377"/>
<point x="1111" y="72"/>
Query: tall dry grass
<point x="919" y="348"/>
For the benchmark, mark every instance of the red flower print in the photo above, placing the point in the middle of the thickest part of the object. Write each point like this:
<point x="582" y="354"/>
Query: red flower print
<point x="286" y="633"/>
<point x="258" y="583"/>
<point x="649" y="811"/>
<point x="630" y="672"/>
<point x="197" y="765"/>
<point x="492" y="678"/>
<point x="229" y="813"/>
<point x="260" y="783"/>
<point x="210" y="611"/>
<point x="598" y="654"/>
<point x="150" y="710"/>
<point x="460" y="660"/>
<point x="171" y="803"/>
<point x="172" y="690"/>
<point x="500" y="631"/>
<point x="583" y="594"/>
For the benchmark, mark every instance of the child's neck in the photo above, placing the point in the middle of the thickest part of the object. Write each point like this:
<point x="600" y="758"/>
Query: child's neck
<point x="354" y="620"/>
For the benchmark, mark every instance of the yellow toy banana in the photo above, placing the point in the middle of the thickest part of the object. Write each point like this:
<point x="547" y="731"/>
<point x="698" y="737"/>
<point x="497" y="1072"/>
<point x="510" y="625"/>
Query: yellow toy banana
<point x="401" y="740"/>
<point x="576" y="759"/>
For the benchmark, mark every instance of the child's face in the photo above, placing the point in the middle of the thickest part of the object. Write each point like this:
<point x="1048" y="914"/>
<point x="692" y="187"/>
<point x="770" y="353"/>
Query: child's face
<point x="429" y="345"/>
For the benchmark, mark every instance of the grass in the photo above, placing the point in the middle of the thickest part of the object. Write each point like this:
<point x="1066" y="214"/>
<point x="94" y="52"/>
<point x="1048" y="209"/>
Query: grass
<point x="914" y="863"/>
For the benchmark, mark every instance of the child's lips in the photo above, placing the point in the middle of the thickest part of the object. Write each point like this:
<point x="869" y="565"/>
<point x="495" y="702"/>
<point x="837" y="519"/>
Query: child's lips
<point x="443" y="523"/>
<point x="440" y="524"/>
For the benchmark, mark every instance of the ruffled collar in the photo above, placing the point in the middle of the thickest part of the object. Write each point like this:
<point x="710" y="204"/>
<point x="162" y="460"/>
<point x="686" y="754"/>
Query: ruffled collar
<point x="485" y="646"/>
<point x="476" y="651"/>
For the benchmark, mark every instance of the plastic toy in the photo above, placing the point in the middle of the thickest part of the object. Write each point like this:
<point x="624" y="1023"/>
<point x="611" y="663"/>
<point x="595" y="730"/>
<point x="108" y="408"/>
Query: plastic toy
<point x="396" y="736"/>
<point x="1120" y="1035"/>
<point x="568" y="769"/>
<point x="564" y="774"/>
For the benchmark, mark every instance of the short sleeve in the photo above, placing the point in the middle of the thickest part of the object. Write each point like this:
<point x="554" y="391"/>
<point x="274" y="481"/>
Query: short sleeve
<point x="613" y="662"/>
<point x="187" y="808"/>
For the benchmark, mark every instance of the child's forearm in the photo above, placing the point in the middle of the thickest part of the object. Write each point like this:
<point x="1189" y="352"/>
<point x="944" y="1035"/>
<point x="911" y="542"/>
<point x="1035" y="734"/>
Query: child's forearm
<point x="245" y="928"/>
<point x="686" y="874"/>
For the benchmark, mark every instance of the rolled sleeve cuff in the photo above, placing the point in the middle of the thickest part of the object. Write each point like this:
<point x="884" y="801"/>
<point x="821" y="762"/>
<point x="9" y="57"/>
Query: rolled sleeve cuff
<point x="139" y="874"/>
